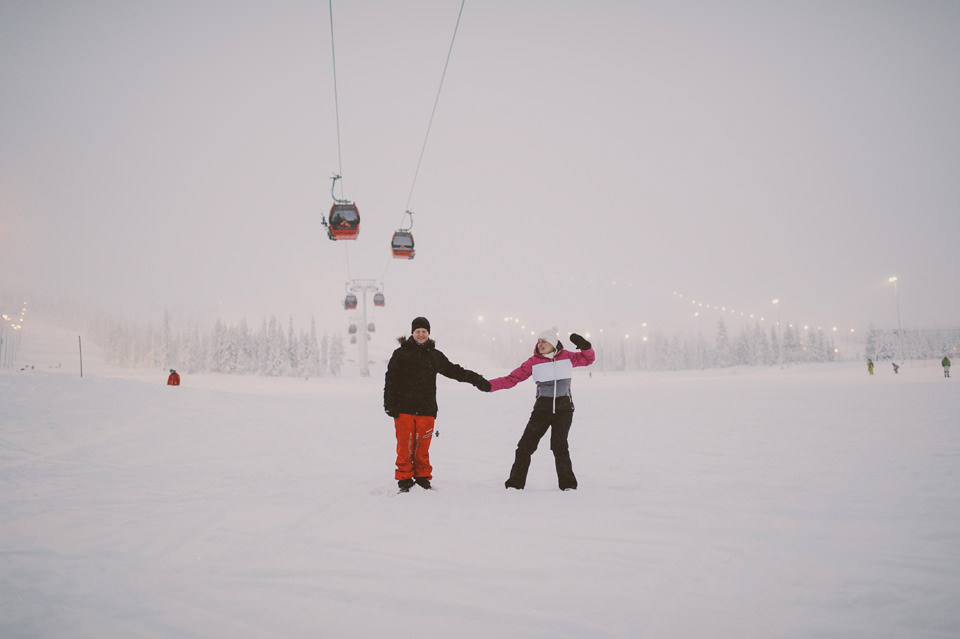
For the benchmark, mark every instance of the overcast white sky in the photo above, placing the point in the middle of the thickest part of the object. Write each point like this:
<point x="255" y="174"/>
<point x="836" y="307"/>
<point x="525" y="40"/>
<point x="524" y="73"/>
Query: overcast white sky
<point x="587" y="159"/>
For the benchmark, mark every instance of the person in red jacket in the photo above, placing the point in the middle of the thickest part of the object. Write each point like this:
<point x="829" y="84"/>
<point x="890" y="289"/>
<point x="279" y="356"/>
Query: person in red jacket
<point x="552" y="369"/>
<point x="174" y="379"/>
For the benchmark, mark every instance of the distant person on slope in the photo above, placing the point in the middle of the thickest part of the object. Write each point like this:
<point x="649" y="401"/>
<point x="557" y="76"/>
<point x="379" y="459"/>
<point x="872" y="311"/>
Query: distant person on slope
<point x="551" y="367"/>
<point x="946" y="366"/>
<point x="870" y="366"/>
<point x="174" y="378"/>
<point x="410" y="398"/>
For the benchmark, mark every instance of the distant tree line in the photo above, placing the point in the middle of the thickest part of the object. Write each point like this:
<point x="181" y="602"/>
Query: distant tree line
<point x="751" y="346"/>
<point x="274" y="350"/>
<point x="233" y="349"/>
<point x="754" y="346"/>
<point x="884" y="344"/>
<point x="657" y="350"/>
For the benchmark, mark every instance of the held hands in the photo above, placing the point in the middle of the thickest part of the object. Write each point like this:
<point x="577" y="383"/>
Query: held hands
<point x="482" y="384"/>
<point x="579" y="341"/>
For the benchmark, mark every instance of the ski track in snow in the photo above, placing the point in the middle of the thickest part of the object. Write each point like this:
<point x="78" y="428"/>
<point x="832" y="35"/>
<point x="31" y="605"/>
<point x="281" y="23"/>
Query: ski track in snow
<point x="810" y="502"/>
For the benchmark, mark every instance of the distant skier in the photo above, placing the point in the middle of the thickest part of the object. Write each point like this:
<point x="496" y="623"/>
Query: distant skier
<point x="174" y="378"/>
<point x="410" y="398"/>
<point x="551" y="367"/>
<point x="946" y="366"/>
<point x="870" y="366"/>
<point x="896" y="368"/>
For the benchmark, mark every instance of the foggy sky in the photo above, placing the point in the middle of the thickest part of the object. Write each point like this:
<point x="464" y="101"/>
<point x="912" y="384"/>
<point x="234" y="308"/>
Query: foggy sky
<point x="587" y="159"/>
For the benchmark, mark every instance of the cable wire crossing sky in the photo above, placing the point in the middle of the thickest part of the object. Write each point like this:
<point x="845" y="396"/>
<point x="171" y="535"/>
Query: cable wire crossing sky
<point x="585" y="159"/>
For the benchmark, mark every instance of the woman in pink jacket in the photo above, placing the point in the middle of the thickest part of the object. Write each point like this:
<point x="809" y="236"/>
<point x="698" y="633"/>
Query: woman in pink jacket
<point x="552" y="369"/>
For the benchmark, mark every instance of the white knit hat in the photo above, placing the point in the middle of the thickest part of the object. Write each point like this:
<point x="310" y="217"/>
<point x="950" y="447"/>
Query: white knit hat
<point x="550" y="336"/>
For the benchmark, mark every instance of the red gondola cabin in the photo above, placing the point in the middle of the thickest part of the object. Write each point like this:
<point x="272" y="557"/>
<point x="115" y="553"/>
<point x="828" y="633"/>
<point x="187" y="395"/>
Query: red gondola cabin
<point x="402" y="245"/>
<point x="344" y="222"/>
<point x="350" y="302"/>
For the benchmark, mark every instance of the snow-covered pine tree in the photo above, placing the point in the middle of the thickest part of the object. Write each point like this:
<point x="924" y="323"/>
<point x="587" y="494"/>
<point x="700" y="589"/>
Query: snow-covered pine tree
<point x="310" y="356"/>
<point x="163" y="356"/>
<point x="219" y="347"/>
<point x="245" y="351"/>
<point x="337" y="354"/>
<point x="325" y="355"/>
<point x="194" y="358"/>
<point x="722" y="349"/>
<point x="263" y="349"/>
<point x="293" y="350"/>
<point x="278" y="358"/>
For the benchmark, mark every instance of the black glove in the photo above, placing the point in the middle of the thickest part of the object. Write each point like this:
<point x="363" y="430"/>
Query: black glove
<point x="483" y="385"/>
<point x="392" y="412"/>
<point x="579" y="341"/>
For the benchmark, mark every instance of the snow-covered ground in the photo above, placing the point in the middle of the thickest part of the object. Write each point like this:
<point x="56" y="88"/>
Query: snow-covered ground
<point x="809" y="502"/>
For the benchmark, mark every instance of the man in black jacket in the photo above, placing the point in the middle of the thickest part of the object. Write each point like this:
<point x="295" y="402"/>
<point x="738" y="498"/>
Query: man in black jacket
<point x="410" y="397"/>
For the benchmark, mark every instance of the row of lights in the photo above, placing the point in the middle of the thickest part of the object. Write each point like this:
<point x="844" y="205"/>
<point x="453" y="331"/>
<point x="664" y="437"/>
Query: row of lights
<point x="16" y="327"/>
<point x="717" y="307"/>
<point x="518" y="324"/>
<point x="515" y="321"/>
<point x="16" y="324"/>
<point x="697" y="314"/>
<point x="722" y="308"/>
<point x="745" y="315"/>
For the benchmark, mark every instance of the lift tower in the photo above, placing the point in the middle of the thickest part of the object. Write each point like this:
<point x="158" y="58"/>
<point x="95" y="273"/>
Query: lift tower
<point x="364" y="287"/>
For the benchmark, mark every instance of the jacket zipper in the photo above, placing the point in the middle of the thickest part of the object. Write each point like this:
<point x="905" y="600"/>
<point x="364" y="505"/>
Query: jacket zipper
<point x="555" y="384"/>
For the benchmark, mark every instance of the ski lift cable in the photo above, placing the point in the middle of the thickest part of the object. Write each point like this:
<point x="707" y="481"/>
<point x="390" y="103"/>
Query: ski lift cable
<point x="336" y="100"/>
<point x="426" y="137"/>
<point x="435" y="103"/>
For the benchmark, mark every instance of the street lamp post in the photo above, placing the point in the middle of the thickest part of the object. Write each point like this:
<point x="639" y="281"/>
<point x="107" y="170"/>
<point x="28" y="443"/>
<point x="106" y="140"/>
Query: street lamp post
<point x="896" y="291"/>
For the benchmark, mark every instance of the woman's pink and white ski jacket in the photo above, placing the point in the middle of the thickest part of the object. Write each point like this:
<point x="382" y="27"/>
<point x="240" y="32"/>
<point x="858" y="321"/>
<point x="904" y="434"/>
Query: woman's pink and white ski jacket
<point x="552" y="374"/>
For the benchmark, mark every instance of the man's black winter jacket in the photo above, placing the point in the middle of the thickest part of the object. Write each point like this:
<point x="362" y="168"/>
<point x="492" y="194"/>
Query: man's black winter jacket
<point x="411" y="380"/>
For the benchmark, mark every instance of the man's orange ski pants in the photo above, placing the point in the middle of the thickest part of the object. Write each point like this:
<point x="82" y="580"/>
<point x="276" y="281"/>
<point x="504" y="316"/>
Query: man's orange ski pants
<point x="414" y="433"/>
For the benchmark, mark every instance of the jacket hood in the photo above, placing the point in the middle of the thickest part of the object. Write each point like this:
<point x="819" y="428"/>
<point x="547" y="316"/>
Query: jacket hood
<point x="408" y="342"/>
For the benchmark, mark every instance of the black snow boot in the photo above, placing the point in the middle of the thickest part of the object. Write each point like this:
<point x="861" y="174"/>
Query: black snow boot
<point x="423" y="482"/>
<point x="565" y="477"/>
<point x="405" y="485"/>
<point x="518" y="472"/>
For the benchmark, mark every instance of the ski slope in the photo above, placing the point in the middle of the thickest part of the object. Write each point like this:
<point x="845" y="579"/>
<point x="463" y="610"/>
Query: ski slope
<point x="808" y="502"/>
